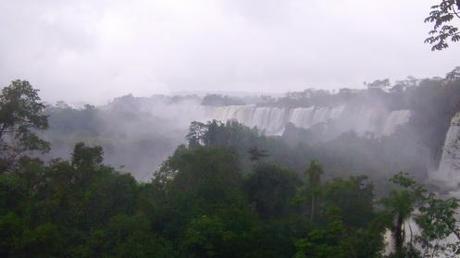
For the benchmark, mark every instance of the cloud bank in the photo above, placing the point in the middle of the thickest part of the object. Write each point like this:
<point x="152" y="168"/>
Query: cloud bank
<point x="92" y="51"/>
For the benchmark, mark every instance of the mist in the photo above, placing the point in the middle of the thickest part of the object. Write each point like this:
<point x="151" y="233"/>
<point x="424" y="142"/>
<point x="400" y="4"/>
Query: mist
<point x="381" y="127"/>
<point x="114" y="48"/>
<point x="230" y="128"/>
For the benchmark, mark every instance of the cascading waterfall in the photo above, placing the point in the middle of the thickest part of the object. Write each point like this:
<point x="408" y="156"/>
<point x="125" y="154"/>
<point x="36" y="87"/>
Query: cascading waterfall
<point x="270" y="120"/>
<point x="273" y="120"/>
<point x="449" y="166"/>
<point x="308" y="117"/>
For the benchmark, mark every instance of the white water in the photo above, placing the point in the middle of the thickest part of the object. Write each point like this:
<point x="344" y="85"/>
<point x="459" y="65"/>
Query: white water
<point x="308" y="117"/>
<point x="449" y="166"/>
<point x="273" y="120"/>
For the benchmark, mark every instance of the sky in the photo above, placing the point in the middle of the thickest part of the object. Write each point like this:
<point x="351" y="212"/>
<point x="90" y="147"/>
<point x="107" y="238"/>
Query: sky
<point x="95" y="50"/>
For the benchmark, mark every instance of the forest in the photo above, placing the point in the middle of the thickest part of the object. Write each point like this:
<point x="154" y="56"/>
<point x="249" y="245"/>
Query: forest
<point x="139" y="133"/>
<point x="219" y="195"/>
<point x="229" y="129"/>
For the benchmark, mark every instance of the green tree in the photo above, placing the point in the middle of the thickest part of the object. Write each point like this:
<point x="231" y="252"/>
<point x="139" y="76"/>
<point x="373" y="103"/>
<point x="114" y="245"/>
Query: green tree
<point x="313" y="173"/>
<point x="437" y="222"/>
<point x="271" y="190"/>
<point x="353" y="198"/>
<point x="21" y="114"/>
<point x="127" y="236"/>
<point x="86" y="157"/>
<point x="207" y="173"/>
<point x="334" y="239"/>
<point x="214" y="236"/>
<point x="197" y="181"/>
<point x="443" y="15"/>
<point x="433" y="215"/>
<point x="399" y="206"/>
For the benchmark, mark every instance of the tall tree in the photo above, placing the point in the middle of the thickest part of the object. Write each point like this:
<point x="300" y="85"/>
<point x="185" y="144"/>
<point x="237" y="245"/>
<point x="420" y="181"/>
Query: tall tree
<point x="399" y="206"/>
<point x="433" y="215"/>
<point x="85" y="157"/>
<point x="314" y="172"/>
<point x="21" y="115"/>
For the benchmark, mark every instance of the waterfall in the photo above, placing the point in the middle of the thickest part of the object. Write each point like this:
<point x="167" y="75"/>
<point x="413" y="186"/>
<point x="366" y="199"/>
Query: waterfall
<point x="273" y="120"/>
<point x="302" y="117"/>
<point x="308" y="117"/>
<point x="449" y="166"/>
<point x="270" y="120"/>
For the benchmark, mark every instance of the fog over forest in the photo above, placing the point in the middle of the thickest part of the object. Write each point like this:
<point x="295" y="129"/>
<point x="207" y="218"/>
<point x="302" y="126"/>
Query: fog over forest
<point x="230" y="128"/>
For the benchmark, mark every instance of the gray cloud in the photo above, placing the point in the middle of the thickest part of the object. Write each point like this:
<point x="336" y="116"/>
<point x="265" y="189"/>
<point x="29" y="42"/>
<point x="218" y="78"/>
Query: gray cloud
<point x="95" y="50"/>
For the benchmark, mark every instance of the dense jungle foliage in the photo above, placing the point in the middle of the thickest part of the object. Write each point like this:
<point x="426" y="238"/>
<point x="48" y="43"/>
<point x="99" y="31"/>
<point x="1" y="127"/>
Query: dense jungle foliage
<point x="217" y="196"/>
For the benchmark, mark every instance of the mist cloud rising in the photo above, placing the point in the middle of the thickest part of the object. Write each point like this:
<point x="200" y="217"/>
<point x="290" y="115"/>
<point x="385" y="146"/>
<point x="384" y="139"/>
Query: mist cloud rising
<point x="91" y="51"/>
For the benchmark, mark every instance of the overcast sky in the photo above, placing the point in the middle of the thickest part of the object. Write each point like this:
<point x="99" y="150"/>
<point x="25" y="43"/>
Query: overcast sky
<point x="89" y="50"/>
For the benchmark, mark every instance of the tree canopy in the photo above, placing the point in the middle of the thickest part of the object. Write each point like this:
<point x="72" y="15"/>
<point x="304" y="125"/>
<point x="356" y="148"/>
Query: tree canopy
<point x="211" y="198"/>
<point x="443" y="16"/>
